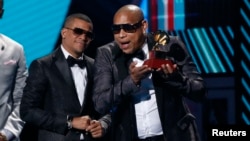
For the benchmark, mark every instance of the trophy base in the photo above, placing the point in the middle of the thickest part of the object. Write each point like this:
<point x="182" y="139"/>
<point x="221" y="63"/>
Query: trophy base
<point x="156" y="63"/>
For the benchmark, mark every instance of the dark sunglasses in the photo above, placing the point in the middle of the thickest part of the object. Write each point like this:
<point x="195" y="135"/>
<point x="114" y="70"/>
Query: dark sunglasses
<point x="129" y="28"/>
<point x="79" y="31"/>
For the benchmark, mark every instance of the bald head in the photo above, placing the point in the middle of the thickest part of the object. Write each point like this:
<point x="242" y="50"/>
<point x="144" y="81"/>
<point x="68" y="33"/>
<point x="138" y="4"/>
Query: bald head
<point x="130" y="11"/>
<point x="129" y="28"/>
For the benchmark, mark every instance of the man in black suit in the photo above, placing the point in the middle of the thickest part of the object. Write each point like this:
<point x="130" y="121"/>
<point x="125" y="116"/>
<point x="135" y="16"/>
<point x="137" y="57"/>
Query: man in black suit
<point x="147" y="100"/>
<point x="58" y="96"/>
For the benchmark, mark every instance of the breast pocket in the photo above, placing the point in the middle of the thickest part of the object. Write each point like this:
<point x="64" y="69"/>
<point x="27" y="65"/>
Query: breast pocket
<point x="7" y="72"/>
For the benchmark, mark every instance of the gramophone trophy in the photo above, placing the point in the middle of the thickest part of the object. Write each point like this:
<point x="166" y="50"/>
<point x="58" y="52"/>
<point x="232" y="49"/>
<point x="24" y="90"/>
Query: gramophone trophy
<point x="166" y="52"/>
<point x="157" y="57"/>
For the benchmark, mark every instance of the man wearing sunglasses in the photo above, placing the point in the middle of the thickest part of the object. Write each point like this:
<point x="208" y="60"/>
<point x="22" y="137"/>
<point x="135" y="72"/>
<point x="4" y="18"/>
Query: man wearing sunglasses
<point x="146" y="104"/>
<point x="58" y="96"/>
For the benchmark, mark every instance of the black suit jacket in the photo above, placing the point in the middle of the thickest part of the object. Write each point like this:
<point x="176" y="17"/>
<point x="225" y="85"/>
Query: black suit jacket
<point x="50" y="95"/>
<point x="114" y="89"/>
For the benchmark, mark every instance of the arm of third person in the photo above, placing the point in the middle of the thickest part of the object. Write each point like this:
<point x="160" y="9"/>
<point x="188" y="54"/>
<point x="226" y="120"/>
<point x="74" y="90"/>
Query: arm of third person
<point x="95" y="129"/>
<point x="98" y="128"/>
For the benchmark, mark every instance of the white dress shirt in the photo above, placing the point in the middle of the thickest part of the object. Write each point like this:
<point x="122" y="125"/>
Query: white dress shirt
<point x="146" y="110"/>
<point x="80" y="79"/>
<point x="79" y="76"/>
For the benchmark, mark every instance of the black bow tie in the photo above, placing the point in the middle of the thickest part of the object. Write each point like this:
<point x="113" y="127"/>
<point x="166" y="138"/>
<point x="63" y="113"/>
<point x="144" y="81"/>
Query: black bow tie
<point x="72" y="61"/>
<point x="138" y="54"/>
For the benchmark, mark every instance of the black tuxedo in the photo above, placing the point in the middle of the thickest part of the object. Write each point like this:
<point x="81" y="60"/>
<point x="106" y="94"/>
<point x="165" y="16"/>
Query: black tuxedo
<point x="50" y="95"/>
<point x="114" y="89"/>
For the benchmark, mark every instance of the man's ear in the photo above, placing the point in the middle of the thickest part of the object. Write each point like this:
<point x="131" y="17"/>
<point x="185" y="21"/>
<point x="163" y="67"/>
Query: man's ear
<point x="63" y="32"/>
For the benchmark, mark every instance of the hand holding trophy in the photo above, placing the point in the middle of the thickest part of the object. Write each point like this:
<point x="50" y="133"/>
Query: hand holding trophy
<point x="165" y="52"/>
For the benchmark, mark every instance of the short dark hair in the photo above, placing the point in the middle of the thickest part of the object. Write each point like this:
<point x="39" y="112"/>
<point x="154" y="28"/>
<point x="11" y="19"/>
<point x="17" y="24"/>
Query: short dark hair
<point x="81" y="16"/>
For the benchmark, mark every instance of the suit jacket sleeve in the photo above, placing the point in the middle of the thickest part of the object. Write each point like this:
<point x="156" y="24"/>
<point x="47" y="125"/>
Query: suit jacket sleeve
<point x="109" y="90"/>
<point x="186" y="80"/>
<point x="14" y="124"/>
<point x="32" y="103"/>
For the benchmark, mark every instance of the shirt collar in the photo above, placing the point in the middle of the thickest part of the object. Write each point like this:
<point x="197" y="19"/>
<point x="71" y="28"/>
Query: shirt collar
<point x="145" y="49"/>
<point x="66" y="53"/>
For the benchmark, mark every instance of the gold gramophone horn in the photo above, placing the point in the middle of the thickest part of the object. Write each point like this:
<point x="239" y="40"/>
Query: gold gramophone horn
<point x="165" y="49"/>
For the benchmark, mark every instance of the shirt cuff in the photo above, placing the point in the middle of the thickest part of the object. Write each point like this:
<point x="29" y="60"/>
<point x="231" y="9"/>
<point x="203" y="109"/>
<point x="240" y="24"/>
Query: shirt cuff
<point x="105" y="123"/>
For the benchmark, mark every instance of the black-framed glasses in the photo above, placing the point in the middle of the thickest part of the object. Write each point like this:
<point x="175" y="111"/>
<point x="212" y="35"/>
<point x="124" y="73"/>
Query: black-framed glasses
<point x="79" y="31"/>
<point x="129" y="28"/>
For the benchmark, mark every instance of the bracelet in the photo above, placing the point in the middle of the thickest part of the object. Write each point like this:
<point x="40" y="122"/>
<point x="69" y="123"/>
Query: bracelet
<point x="69" y="122"/>
<point x="3" y="137"/>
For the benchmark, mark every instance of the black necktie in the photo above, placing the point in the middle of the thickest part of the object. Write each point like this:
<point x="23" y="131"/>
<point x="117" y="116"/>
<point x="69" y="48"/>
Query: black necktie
<point x="71" y="61"/>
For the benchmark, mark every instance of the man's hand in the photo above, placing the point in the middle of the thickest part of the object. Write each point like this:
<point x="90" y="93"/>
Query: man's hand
<point x="2" y="137"/>
<point x="167" y="69"/>
<point x="95" y="128"/>
<point x="138" y="73"/>
<point x="81" y="123"/>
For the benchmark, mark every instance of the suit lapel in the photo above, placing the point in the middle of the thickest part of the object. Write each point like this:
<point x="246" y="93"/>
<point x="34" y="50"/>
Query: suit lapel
<point x="65" y="72"/>
<point x="88" y="67"/>
<point x="150" y="41"/>
<point x="120" y="61"/>
<point x="88" y="84"/>
<point x="63" y="67"/>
